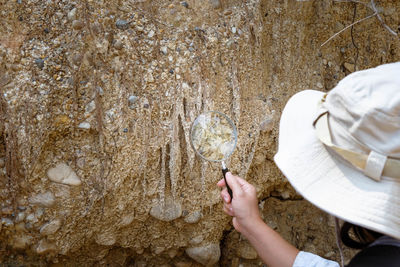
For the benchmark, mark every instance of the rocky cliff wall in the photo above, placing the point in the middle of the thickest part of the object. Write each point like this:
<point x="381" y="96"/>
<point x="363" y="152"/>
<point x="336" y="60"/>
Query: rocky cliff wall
<point x="97" y="99"/>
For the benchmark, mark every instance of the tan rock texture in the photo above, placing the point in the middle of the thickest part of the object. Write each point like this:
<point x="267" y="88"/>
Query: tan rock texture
<point x="108" y="90"/>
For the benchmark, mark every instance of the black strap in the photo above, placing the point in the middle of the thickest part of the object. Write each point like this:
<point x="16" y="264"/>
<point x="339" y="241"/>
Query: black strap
<point x="377" y="256"/>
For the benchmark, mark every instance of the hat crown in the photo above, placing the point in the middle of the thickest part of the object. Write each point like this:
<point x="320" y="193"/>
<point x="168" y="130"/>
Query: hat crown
<point x="364" y="110"/>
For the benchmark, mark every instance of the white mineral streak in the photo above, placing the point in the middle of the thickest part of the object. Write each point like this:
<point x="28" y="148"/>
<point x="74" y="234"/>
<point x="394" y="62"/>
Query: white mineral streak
<point x="175" y="154"/>
<point x="63" y="174"/>
<point x="161" y="188"/>
<point x="235" y="94"/>
<point x="45" y="200"/>
<point x="50" y="227"/>
<point x="171" y="210"/>
<point x="206" y="255"/>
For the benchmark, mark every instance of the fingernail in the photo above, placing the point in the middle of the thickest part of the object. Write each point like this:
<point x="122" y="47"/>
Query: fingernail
<point x="230" y="208"/>
<point x="226" y="198"/>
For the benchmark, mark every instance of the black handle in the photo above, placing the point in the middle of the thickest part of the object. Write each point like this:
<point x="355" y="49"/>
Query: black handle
<point x="224" y="171"/>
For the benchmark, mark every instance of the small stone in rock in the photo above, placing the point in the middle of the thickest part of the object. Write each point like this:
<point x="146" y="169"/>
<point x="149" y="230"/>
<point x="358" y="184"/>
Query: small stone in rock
<point x="77" y="25"/>
<point x="64" y="174"/>
<point x="44" y="247"/>
<point x="233" y="30"/>
<point x="72" y="14"/>
<point x="100" y="90"/>
<point x="2" y="162"/>
<point x="125" y="130"/>
<point x="151" y="34"/>
<point x="50" y="227"/>
<point x="132" y="101"/>
<point x="185" y="4"/>
<point x="46" y="199"/>
<point x="122" y="24"/>
<point x="84" y="125"/>
<point x="46" y="30"/>
<point x="40" y="63"/>
<point x="118" y="45"/>
<point x="215" y="3"/>
<point x="164" y="50"/>
<point x="171" y="71"/>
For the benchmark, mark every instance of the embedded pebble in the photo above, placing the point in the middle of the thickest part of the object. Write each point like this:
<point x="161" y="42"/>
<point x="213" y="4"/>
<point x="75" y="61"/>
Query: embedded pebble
<point x="50" y="227"/>
<point x="72" y="14"/>
<point x="206" y="255"/>
<point x="215" y="3"/>
<point x="45" y="200"/>
<point x="164" y="50"/>
<point x="268" y="122"/>
<point x="91" y="106"/>
<point x="106" y="239"/>
<point x="84" y="125"/>
<point x="171" y="210"/>
<point x="151" y="34"/>
<point x="20" y="217"/>
<point x="63" y="174"/>
<point x="2" y="162"/>
<point x="196" y="240"/>
<point x="193" y="217"/>
<point x="7" y="222"/>
<point x="118" y="45"/>
<point x="77" y="24"/>
<point x="31" y="218"/>
<point x="122" y="24"/>
<point x="40" y="63"/>
<point x="100" y="90"/>
<point x="44" y="247"/>
<point x="350" y="67"/>
<point x="21" y="242"/>
<point x="185" y="4"/>
<point x="127" y="220"/>
<point x="233" y="30"/>
<point x="132" y="101"/>
<point x="246" y="251"/>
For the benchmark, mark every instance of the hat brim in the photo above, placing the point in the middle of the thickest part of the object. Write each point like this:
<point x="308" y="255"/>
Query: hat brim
<point x="327" y="181"/>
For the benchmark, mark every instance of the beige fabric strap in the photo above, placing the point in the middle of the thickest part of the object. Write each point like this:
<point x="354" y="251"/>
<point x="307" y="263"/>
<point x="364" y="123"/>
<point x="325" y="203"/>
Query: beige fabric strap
<point x="374" y="165"/>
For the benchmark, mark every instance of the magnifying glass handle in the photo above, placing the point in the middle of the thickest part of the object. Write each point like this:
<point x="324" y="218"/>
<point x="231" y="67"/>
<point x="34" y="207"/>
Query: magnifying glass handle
<point x="224" y="171"/>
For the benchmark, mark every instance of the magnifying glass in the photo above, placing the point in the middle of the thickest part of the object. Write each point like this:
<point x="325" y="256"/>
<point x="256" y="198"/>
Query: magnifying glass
<point x="214" y="137"/>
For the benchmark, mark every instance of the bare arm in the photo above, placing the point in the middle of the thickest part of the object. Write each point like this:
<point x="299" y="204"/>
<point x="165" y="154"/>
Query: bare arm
<point x="270" y="246"/>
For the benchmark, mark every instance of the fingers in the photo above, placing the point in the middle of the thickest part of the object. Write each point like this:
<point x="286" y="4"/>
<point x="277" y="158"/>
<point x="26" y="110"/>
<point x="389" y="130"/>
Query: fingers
<point x="228" y="209"/>
<point x="225" y="195"/>
<point x="234" y="183"/>
<point x="221" y="183"/>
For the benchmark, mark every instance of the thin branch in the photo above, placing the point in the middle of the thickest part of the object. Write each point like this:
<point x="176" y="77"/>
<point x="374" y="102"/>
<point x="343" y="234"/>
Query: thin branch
<point x="373" y="7"/>
<point x="345" y="28"/>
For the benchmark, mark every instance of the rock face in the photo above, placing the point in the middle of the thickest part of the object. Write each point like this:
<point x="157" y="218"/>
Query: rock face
<point x="97" y="99"/>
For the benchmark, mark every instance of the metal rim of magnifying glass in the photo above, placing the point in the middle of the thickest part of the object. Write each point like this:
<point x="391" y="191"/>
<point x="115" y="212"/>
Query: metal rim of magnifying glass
<point x="234" y="134"/>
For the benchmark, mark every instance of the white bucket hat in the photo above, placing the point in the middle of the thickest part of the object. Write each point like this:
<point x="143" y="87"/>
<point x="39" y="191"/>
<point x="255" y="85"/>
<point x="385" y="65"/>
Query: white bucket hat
<point x="341" y="151"/>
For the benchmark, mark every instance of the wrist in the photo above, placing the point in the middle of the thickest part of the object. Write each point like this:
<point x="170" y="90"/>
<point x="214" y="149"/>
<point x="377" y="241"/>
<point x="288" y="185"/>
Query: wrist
<point x="251" y="226"/>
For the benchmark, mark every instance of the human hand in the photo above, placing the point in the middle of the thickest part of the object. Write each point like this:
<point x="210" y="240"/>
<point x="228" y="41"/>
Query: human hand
<point x="244" y="205"/>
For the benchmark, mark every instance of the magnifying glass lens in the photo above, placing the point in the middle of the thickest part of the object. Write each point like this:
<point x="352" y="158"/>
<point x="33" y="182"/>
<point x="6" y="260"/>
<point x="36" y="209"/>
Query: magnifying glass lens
<point x="213" y="136"/>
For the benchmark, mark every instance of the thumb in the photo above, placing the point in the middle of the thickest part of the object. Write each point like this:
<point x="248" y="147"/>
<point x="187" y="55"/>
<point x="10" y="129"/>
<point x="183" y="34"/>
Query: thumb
<point x="233" y="183"/>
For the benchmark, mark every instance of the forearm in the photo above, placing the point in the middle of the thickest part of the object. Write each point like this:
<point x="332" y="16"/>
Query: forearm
<point x="270" y="246"/>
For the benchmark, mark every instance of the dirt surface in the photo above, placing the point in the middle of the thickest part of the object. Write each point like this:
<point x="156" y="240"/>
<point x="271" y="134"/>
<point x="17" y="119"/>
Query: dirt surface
<point x="97" y="99"/>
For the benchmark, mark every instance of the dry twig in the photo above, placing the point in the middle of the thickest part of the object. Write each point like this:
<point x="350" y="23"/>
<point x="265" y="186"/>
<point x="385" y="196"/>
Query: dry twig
<point x="372" y="6"/>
